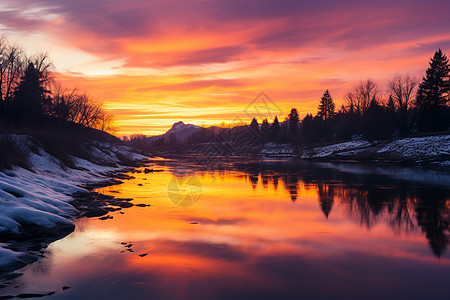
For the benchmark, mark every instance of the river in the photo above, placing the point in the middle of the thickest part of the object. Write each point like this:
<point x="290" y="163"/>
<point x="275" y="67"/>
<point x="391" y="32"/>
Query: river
<point x="258" y="229"/>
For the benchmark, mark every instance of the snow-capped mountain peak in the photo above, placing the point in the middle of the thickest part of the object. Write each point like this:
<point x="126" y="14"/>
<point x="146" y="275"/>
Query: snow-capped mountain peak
<point x="180" y="126"/>
<point x="177" y="127"/>
<point x="179" y="131"/>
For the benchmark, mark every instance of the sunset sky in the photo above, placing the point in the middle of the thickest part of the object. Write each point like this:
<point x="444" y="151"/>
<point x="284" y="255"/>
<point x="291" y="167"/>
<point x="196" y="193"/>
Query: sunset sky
<point x="155" y="62"/>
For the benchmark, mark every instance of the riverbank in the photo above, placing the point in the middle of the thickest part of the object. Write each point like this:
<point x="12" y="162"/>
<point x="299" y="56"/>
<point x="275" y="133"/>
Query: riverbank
<point x="36" y="198"/>
<point x="427" y="150"/>
<point x="256" y="222"/>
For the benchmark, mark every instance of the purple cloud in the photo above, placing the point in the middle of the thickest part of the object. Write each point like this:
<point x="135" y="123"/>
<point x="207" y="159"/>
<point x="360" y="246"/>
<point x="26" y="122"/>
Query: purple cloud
<point x="286" y="24"/>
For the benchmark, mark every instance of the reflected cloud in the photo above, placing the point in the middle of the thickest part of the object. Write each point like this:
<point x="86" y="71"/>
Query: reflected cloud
<point x="370" y="194"/>
<point x="220" y="221"/>
<point x="202" y="249"/>
<point x="348" y="235"/>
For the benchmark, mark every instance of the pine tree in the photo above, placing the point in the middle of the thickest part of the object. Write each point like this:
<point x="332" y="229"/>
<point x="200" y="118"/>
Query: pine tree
<point x="434" y="89"/>
<point x="391" y="104"/>
<point x="265" y="131"/>
<point x="275" y="130"/>
<point x="326" y="106"/>
<point x="308" y="128"/>
<point x="377" y="123"/>
<point x="293" y="120"/>
<point x="254" y="125"/>
<point x="433" y="94"/>
<point x="31" y="98"/>
<point x="253" y="133"/>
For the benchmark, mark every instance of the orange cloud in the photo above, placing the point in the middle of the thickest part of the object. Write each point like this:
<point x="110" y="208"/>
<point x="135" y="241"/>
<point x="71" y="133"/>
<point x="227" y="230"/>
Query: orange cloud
<point x="155" y="62"/>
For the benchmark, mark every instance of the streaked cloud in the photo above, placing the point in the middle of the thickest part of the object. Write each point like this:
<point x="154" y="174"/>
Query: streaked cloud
<point x="209" y="54"/>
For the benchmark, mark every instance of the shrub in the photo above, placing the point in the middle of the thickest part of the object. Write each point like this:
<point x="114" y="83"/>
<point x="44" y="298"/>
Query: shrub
<point x="13" y="152"/>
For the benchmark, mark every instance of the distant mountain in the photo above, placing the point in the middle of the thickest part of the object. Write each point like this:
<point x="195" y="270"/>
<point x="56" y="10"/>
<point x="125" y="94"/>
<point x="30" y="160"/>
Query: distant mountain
<point x="179" y="131"/>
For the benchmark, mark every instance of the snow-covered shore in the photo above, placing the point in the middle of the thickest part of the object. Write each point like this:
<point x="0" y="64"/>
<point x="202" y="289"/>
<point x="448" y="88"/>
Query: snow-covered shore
<point x="34" y="202"/>
<point x="431" y="150"/>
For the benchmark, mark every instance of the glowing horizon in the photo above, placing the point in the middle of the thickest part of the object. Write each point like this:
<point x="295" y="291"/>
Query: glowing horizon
<point x="153" y="63"/>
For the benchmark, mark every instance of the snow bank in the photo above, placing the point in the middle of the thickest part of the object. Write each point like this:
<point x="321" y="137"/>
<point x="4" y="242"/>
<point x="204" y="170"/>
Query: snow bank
<point x="37" y="202"/>
<point x="431" y="149"/>
<point x="8" y="257"/>
<point x="274" y="150"/>
<point x="419" y="147"/>
<point x="336" y="148"/>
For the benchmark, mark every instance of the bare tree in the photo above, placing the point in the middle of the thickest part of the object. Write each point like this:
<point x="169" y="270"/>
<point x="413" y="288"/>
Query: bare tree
<point x="90" y="111"/>
<point x="62" y="101"/>
<point x="401" y="93"/>
<point x="3" y="65"/>
<point x="358" y="99"/>
<point x="106" y="123"/>
<point x="12" y="62"/>
<point x="402" y="88"/>
<point x="44" y="66"/>
<point x="72" y="106"/>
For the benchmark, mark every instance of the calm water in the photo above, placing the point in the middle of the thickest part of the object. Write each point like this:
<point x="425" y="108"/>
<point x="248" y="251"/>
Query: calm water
<point x="259" y="230"/>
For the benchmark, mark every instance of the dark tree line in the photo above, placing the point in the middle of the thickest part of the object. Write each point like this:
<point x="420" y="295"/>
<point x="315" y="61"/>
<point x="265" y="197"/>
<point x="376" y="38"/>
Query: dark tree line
<point x="30" y="96"/>
<point x="409" y="107"/>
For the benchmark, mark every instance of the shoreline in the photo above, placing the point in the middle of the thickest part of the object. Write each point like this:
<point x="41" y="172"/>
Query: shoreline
<point x="39" y="204"/>
<point x="40" y="239"/>
<point x="431" y="151"/>
<point x="77" y="184"/>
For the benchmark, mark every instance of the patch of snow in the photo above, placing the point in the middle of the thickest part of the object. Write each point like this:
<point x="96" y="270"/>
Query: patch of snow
<point x="40" y="198"/>
<point x="419" y="147"/>
<point x="430" y="149"/>
<point x="8" y="257"/>
<point x="325" y="151"/>
<point x="275" y="150"/>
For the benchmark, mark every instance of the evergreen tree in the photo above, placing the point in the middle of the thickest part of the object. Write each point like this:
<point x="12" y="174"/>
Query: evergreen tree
<point x="265" y="128"/>
<point x="326" y="106"/>
<point x="308" y="129"/>
<point x="434" y="88"/>
<point x="378" y="123"/>
<point x="254" y="134"/>
<point x="31" y="98"/>
<point x="254" y="125"/>
<point x="293" y="120"/>
<point x="433" y="94"/>
<point x="275" y="130"/>
<point x="391" y="104"/>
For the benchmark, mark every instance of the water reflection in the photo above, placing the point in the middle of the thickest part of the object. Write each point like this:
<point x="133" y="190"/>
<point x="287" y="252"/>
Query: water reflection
<point x="369" y="197"/>
<point x="370" y="193"/>
<point x="260" y="230"/>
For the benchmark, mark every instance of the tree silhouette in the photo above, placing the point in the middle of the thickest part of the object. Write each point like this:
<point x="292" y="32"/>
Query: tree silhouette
<point x="358" y="99"/>
<point x="265" y="129"/>
<point x="433" y="94"/>
<point x="11" y="67"/>
<point x="433" y="217"/>
<point x="254" y="177"/>
<point x="326" y="197"/>
<point x="293" y="120"/>
<point x="275" y="130"/>
<point x="291" y="184"/>
<point x="308" y="128"/>
<point x="377" y="123"/>
<point x="31" y="96"/>
<point x="401" y="89"/>
<point x="326" y="106"/>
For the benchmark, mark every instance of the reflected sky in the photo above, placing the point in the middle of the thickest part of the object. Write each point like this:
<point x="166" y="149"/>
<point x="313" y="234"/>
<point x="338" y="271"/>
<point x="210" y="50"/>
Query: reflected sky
<point x="259" y="230"/>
